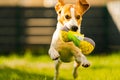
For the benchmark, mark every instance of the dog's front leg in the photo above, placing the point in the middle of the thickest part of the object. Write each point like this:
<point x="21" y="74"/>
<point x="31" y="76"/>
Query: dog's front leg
<point x="52" y="51"/>
<point x="57" y="65"/>
<point x="79" y="57"/>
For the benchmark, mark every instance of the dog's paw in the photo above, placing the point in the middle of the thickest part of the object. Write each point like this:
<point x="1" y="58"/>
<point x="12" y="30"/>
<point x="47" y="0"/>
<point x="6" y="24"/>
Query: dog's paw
<point x="53" y="54"/>
<point x="86" y="64"/>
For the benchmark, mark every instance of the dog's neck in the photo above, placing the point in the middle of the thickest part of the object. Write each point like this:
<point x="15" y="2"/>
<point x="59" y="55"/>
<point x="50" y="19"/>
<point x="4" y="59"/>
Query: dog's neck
<point x="59" y="25"/>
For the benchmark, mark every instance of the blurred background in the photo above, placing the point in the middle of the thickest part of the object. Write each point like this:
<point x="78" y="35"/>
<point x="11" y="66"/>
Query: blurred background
<point x="26" y="28"/>
<point x="29" y="24"/>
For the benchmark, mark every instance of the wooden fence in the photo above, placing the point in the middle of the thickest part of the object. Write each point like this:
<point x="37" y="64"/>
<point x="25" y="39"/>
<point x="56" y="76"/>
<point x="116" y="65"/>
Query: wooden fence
<point x="22" y="28"/>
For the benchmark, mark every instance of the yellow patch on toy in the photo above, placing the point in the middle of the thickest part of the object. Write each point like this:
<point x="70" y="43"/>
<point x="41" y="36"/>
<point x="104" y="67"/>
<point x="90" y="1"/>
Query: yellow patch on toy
<point x="86" y="45"/>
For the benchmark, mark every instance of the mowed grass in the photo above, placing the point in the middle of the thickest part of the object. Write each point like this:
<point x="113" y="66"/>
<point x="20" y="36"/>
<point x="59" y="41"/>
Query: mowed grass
<point x="28" y="67"/>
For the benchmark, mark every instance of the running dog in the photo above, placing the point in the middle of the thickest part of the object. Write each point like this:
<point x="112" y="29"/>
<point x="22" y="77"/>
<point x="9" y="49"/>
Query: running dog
<point x="70" y="16"/>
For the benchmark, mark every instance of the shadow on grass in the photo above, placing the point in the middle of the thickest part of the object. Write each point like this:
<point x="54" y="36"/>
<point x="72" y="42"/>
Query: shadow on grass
<point x="7" y="73"/>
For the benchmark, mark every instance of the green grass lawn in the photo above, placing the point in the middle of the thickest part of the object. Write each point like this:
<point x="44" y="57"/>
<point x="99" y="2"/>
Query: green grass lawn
<point x="28" y="67"/>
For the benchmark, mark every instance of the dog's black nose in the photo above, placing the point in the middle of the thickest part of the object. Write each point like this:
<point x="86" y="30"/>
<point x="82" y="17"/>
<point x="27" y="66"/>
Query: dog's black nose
<point x="74" y="28"/>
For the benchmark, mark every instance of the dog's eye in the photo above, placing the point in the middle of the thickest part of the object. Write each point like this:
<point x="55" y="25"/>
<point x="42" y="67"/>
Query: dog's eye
<point x="59" y="12"/>
<point x="78" y="17"/>
<point x="67" y="17"/>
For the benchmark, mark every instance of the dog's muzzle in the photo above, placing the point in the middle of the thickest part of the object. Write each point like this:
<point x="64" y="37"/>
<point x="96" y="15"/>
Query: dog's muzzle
<point x="73" y="28"/>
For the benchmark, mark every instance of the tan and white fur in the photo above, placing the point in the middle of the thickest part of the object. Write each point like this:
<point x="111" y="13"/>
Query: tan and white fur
<point x="69" y="15"/>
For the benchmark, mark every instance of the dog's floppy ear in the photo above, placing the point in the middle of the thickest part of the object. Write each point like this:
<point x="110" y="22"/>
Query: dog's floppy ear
<point x="59" y="5"/>
<point x="84" y="5"/>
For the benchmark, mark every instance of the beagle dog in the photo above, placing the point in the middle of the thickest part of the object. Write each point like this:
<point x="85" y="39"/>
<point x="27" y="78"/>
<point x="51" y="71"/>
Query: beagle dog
<point x="70" y="16"/>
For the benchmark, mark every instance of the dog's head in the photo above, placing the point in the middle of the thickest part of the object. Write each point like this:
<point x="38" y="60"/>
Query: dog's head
<point x="70" y="15"/>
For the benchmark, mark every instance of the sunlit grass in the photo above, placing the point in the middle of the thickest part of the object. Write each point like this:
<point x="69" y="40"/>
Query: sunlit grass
<point x="29" y="67"/>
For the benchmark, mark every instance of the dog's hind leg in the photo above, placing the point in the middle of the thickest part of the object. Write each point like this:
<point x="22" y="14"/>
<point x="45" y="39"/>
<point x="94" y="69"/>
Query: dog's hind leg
<point x="57" y="65"/>
<point x="75" y="73"/>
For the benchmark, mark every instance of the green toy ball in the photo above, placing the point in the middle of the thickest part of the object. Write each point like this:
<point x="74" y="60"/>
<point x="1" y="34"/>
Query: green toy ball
<point x="85" y="44"/>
